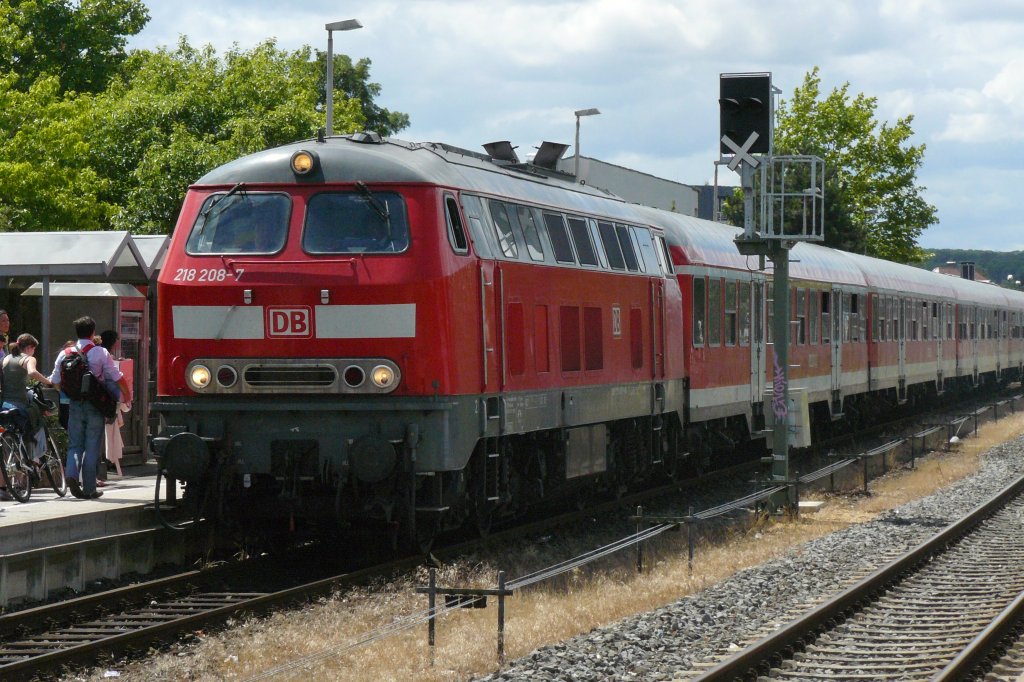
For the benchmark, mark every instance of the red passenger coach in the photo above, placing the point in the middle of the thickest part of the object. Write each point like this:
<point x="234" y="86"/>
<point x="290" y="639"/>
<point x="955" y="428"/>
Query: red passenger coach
<point x="356" y="330"/>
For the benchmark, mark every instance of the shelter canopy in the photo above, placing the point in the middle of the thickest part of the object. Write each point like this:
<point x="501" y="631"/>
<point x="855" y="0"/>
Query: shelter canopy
<point x="81" y="256"/>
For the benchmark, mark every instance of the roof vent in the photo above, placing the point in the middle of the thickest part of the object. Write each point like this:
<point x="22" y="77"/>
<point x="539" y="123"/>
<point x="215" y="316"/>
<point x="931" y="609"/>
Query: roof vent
<point x="548" y="154"/>
<point x="366" y="137"/>
<point x="502" y="151"/>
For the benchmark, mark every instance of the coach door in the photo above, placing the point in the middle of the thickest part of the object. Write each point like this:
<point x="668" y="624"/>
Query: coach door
<point x="837" y="346"/>
<point x="757" y="350"/>
<point x="901" y="375"/>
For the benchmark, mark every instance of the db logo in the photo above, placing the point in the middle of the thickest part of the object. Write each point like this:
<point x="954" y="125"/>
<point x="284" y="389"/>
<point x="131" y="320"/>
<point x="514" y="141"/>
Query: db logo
<point x="292" y="322"/>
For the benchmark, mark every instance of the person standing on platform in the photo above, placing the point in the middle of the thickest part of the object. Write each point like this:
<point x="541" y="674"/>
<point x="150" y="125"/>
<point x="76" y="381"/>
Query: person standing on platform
<point x="85" y="422"/>
<point x="5" y="330"/>
<point x="114" y="443"/>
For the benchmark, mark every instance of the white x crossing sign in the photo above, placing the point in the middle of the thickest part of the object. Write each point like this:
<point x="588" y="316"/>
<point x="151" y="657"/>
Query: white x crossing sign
<point x="741" y="154"/>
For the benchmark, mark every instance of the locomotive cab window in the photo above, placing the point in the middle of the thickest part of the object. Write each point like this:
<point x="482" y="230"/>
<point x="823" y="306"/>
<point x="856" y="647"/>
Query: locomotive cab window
<point x="243" y="222"/>
<point x="456" y="234"/>
<point x="356" y="222"/>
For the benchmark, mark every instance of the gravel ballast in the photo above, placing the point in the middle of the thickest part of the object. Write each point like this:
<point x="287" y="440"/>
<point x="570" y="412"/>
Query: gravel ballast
<point x="672" y="642"/>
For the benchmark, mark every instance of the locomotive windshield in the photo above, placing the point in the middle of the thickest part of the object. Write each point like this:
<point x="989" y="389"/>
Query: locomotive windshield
<point x="356" y="222"/>
<point x="243" y="222"/>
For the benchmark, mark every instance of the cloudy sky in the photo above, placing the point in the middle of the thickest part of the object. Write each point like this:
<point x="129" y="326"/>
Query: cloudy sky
<point x="474" y="71"/>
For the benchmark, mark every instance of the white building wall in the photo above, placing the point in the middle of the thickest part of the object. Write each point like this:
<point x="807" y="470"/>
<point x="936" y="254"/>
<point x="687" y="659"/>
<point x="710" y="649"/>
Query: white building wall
<point x="634" y="186"/>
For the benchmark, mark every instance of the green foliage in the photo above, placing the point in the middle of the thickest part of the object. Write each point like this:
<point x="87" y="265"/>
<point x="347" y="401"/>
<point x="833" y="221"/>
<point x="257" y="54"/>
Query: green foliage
<point x="354" y="81"/>
<point x="995" y="265"/>
<point x="873" y="204"/>
<point x="46" y="182"/>
<point x="123" y="157"/>
<point x="82" y="44"/>
<point x="181" y="113"/>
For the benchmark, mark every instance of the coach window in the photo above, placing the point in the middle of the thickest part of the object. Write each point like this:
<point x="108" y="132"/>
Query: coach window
<point x="528" y="224"/>
<point x="559" y="238"/>
<point x="456" y="234"/>
<point x="758" y="311"/>
<point x="770" y="316"/>
<point x="936" y="323"/>
<point x="581" y="238"/>
<point x="814" y="312"/>
<point x="801" y="316"/>
<point x="611" y="245"/>
<point x="354" y="222"/>
<point x="503" y="229"/>
<point x="699" y="310"/>
<point x="730" y="312"/>
<point x="245" y="222"/>
<point x="925" y="320"/>
<point x="744" y="293"/>
<point x="627" y="248"/>
<point x="950" y="320"/>
<point x="826" y="318"/>
<point x="715" y="312"/>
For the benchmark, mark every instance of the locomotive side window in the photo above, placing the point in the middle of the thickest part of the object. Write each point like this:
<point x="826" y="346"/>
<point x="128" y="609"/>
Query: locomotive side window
<point x="244" y="222"/>
<point x="611" y="246"/>
<point x="645" y="247"/>
<point x="699" y="310"/>
<point x="503" y="229"/>
<point x="559" y="238"/>
<point x="581" y="237"/>
<point x="627" y="248"/>
<point x="356" y="222"/>
<point x="528" y="223"/>
<point x="456" y="234"/>
<point x="595" y="239"/>
<point x="668" y="257"/>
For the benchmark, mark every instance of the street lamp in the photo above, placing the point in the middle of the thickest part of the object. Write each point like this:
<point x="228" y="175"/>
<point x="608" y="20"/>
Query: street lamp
<point x="346" y="25"/>
<point x="581" y="112"/>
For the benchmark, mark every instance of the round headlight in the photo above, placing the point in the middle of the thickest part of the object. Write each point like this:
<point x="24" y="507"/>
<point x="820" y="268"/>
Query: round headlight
<point x="199" y="377"/>
<point x="354" y="376"/>
<point x="303" y="162"/>
<point x="226" y="376"/>
<point x="382" y="376"/>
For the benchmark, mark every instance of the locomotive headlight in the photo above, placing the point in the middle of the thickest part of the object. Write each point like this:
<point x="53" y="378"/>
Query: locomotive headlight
<point x="382" y="376"/>
<point x="303" y="162"/>
<point x="199" y="377"/>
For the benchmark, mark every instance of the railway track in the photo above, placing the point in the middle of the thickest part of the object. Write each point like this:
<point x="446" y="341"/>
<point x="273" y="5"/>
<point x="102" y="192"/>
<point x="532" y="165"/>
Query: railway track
<point x="134" y="618"/>
<point x="911" y="618"/>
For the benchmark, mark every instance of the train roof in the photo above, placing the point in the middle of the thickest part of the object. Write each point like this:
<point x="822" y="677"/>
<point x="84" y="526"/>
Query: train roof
<point x="371" y="159"/>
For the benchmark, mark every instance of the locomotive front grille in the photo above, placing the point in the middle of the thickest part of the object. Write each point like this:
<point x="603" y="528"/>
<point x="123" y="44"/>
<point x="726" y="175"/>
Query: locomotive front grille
<point x="290" y="376"/>
<point x="341" y="376"/>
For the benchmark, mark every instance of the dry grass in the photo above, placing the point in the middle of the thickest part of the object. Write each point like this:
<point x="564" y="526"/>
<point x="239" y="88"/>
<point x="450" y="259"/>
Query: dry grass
<point x="466" y="641"/>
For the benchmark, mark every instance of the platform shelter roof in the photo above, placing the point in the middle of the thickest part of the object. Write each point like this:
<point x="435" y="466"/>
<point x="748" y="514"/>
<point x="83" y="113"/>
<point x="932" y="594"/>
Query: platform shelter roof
<point x="75" y="256"/>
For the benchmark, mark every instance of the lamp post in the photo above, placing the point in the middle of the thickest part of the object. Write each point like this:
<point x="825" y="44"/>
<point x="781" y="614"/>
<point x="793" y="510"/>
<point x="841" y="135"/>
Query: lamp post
<point x="346" y="25"/>
<point x="579" y="113"/>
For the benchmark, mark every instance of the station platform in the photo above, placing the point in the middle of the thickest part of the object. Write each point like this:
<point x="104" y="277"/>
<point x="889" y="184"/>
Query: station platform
<point x="61" y="544"/>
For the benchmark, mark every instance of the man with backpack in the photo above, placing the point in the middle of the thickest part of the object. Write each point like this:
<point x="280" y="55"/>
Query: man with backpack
<point x="80" y="371"/>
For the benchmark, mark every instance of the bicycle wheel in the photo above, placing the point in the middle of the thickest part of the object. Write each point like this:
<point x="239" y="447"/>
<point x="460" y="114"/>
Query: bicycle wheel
<point x="14" y="466"/>
<point x="53" y="465"/>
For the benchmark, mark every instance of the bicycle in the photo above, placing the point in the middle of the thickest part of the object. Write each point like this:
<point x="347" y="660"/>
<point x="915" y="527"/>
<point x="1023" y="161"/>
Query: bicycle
<point x="14" y="460"/>
<point x="52" y="461"/>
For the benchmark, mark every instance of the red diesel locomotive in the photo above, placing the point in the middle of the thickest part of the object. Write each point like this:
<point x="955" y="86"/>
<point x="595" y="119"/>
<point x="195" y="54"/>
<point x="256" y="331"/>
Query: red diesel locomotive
<point x="357" y="330"/>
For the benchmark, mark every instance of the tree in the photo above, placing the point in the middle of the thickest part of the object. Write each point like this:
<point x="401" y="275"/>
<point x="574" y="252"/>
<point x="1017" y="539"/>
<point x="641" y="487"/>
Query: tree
<point x="46" y="181"/>
<point x="354" y="81"/>
<point x="180" y="113"/>
<point x="871" y="170"/>
<point x="873" y="204"/>
<point x="82" y="44"/>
